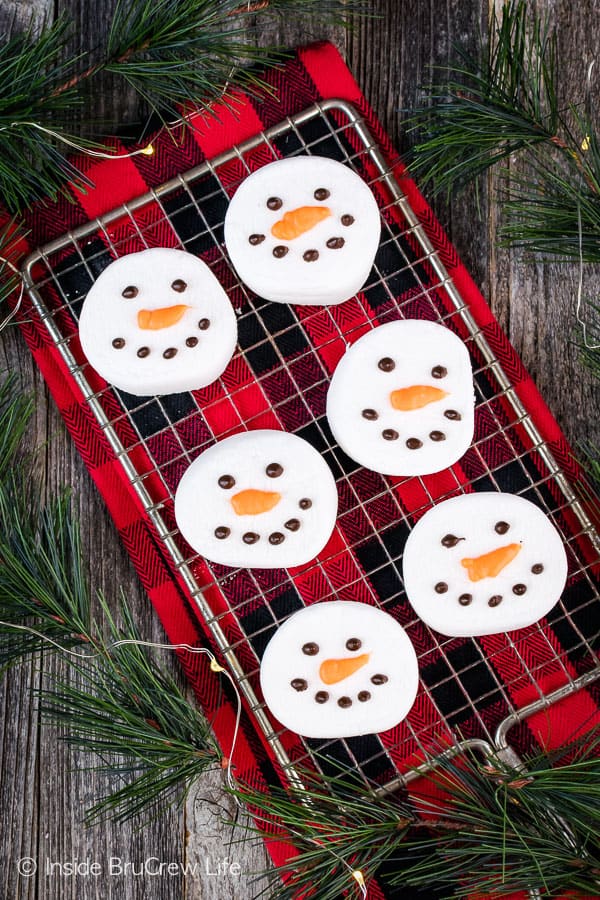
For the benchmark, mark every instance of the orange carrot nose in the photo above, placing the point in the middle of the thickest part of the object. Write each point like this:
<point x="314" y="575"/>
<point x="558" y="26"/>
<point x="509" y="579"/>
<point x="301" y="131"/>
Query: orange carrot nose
<point x="490" y="564"/>
<point x="297" y="221"/>
<point x="155" y="319"/>
<point x="416" y="396"/>
<point x="334" y="670"/>
<point x="251" y="502"/>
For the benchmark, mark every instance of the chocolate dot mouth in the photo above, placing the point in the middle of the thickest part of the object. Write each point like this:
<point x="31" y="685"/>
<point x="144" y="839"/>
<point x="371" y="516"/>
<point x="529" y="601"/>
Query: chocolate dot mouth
<point x="441" y="587"/>
<point x="378" y="678"/>
<point x="347" y="219"/>
<point x="371" y="415"/>
<point x="389" y="434"/>
<point x="537" y="569"/>
<point x="495" y="600"/>
<point x="310" y="255"/>
<point x="519" y="589"/>
<point x="453" y="415"/>
<point x="321" y="696"/>
<point x="414" y="443"/>
<point x="336" y="243"/>
<point x="299" y="684"/>
<point x="465" y="599"/>
<point x="118" y="343"/>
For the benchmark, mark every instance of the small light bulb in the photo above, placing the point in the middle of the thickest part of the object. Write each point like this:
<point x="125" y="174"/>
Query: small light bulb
<point x="215" y="667"/>
<point x="359" y="878"/>
<point x="148" y="151"/>
<point x="585" y="144"/>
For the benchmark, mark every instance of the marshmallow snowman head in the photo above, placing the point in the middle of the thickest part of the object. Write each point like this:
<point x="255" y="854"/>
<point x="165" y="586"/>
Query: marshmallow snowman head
<point x="401" y="399"/>
<point x="303" y="230"/>
<point x="262" y="499"/>
<point x="482" y="564"/>
<point x="338" y="669"/>
<point x="158" y="322"/>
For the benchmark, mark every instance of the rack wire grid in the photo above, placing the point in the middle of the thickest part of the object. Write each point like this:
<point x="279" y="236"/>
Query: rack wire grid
<point x="472" y="691"/>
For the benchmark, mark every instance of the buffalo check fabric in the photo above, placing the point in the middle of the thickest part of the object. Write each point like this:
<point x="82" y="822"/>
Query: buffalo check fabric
<point x="278" y="379"/>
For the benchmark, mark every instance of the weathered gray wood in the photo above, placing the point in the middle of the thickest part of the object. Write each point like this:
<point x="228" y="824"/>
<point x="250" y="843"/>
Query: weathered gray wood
<point x="43" y="788"/>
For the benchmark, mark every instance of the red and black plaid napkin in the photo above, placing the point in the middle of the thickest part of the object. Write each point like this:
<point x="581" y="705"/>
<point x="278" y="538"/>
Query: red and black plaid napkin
<point x="498" y="673"/>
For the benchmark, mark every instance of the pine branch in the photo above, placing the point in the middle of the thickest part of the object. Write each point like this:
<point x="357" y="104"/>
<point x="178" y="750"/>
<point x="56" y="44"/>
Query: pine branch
<point x="503" y="102"/>
<point x="498" y="831"/>
<point x="120" y="703"/>
<point x="131" y="713"/>
<point x="171" y="52"/>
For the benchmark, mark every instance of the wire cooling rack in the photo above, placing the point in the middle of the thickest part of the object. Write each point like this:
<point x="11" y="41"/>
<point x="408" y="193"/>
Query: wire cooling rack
<point x="471" y="690"/>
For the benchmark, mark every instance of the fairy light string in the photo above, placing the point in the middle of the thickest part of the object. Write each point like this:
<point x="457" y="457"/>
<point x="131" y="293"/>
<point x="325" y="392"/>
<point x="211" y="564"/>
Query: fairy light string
<point x="356" y="875"/>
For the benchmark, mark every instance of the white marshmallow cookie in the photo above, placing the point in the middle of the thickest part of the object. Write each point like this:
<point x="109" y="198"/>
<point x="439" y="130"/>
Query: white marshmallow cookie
<point x="158" y="322"/>
<point x="401" y="400"/>
<point x="482" y="564"/>
<point x="262" y="499"/>
<point x="303" y="230"/>
<point x="339" y="669"/>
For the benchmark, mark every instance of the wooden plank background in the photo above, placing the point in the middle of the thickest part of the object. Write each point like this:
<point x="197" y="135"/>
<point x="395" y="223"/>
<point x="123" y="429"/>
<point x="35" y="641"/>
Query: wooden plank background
<point x="44" y="788"/>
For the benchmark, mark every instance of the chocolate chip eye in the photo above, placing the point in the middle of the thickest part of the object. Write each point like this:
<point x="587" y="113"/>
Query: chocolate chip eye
<point x="274" y="470"/>
<point x="501" y="527"/>
<point x="439" y="371"/>
<point x="347" y="219"/>
<point x="179" y="285"/>
<point x="310" y="649"/>
<point x="321" y="194"/>
<point x="386" y="364"/>
<point x="129" y="292"/>
<point x="450" y="540"/>
<point x="226" y="482"/>
<point x="274" y="203"/>
<point x="353" y="644"/>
